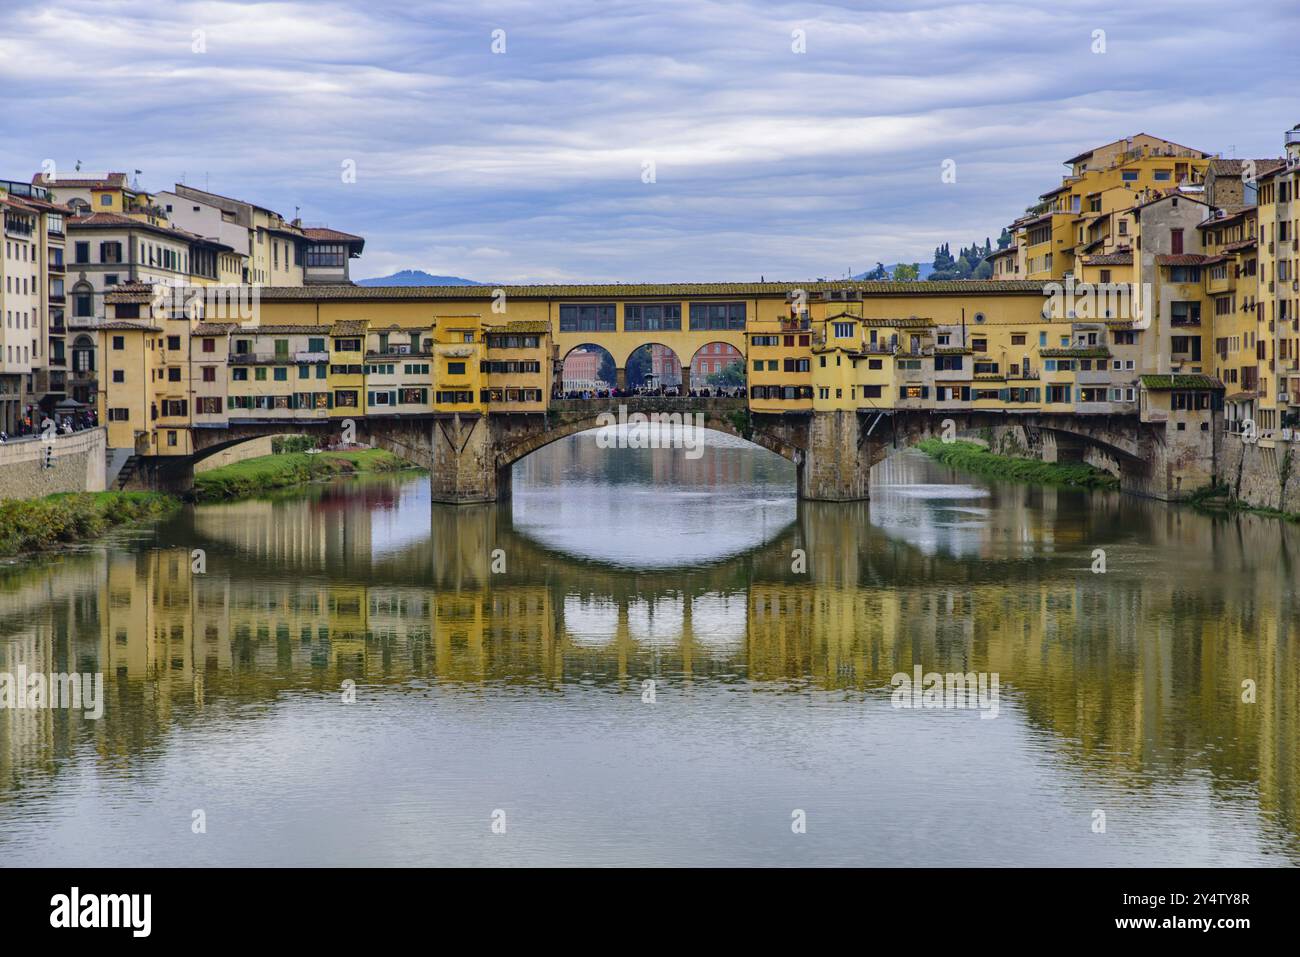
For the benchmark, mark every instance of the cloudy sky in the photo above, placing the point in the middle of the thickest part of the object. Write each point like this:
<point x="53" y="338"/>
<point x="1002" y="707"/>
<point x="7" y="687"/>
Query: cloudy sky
<point x="528" y="162"/>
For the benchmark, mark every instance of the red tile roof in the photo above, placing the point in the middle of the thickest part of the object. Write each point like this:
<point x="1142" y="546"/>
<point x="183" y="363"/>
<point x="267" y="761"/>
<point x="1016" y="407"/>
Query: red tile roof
<point x="327" y="235"/>
<point x="110" y="181"/>
<point x="1110" y="259"/>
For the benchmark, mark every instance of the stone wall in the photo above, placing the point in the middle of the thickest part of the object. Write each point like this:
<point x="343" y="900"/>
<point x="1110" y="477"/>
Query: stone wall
<point x="1262" y="475"/>
<point x="78" y="459"/>
<point x="252" y="449"/>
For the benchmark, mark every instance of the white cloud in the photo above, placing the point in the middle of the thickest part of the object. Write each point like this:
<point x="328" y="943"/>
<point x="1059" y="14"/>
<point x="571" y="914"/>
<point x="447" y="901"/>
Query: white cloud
<point x="527" y="165"/>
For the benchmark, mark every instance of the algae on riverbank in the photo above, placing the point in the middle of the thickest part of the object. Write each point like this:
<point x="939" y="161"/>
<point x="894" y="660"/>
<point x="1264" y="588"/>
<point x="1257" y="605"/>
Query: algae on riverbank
<point x="975" y="458"/>
<point x="270" y="472"/>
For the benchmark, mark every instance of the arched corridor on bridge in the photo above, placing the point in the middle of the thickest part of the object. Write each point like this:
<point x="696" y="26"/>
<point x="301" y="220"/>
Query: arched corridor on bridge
<point x="588" y="368"/>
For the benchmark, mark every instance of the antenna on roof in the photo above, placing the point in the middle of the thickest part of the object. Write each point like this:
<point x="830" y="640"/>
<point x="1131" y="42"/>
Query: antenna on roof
<point x="78" y="167"/>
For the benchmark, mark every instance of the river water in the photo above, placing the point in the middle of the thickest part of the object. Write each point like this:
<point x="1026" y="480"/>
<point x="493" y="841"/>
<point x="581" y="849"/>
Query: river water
<point x="652" y="659"/>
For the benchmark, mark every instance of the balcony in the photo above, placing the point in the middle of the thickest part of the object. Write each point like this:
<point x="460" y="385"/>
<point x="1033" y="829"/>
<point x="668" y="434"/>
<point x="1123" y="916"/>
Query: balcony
<point x="267" y="358"/>
<point x="412" y="353"/>
<point x="309" y="356"/>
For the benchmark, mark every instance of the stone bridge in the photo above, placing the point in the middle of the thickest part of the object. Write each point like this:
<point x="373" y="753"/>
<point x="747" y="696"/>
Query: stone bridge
<point x="469" y="457"/>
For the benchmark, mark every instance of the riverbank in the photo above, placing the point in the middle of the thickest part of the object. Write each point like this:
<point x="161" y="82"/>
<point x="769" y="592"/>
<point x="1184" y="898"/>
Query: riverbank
<point x="972" y="457"/>
<point x="1218" y="499"/>
<point x="287" y="469"/>
<point x="33" y="525"/>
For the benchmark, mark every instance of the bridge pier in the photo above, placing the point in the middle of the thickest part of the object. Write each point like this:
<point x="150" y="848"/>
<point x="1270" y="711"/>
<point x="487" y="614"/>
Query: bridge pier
<point x="835" y="465"/>
<point x="463" y="468"/>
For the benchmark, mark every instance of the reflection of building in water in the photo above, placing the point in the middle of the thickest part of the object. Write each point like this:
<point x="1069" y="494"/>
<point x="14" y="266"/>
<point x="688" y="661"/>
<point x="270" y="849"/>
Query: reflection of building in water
<point x="1129" y="676"/>
<point x="308" y="531"/>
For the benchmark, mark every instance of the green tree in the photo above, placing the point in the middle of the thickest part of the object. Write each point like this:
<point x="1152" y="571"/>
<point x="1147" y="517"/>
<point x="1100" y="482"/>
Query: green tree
<point x="638" y="367"/>
<point x="732" y="376"/>
<point x="907" y="272"/>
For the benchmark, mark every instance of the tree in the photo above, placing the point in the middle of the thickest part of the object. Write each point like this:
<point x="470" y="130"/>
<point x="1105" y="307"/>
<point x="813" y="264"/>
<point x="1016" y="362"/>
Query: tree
<point x="907" y="272"/>
<point x="877" y="274"/>
<point x="732" y="376"/>
<point x="638" y="367"/>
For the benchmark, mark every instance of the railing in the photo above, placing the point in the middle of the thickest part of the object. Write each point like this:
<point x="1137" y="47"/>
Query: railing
<point x="413" y="354"/>
<point x="256" y="358"/>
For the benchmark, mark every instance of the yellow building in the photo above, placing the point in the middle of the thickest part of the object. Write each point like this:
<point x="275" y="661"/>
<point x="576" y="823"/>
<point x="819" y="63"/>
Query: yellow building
<point x="1090" y="212"/>
<point x="1279" y="291"/>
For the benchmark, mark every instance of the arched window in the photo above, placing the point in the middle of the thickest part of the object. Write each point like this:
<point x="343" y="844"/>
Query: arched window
<point x="83" y="354"/>
<point x="83" y="301"/>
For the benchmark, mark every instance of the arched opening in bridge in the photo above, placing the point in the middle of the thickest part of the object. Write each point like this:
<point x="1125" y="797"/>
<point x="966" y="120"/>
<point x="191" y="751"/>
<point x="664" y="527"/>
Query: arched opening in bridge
<point x="718" y="367"/>
<point x="588" y="368"/>
<point x="655" y="496"/>
<point x="655" y="369"/>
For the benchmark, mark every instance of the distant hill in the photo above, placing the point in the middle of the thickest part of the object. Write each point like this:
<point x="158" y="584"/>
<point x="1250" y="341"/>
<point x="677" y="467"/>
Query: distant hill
<point x="416" y="277"/>
<point x="926" y="269"/>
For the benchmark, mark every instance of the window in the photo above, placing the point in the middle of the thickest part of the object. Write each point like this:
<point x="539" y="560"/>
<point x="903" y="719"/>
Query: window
<point x="281" y="373"/>
<point x="119" y="415"/>
<point x="259" y="374"/>
<point x="239" y="375"/>
<point x="119" y="375"/>
<point x="209" y="373"/>
<point x="209" y="405"/>
<point x="174" y="374"/>
<point x="717" y="315"/>
<point x="81" y="252"/>
<point x="1176" y="242"/>
<point x="1017" y="338"/>
<point x="587" y="317"/>
<point x="647" y="317"/>
<point x="119" y="343"/>
<point x="455" y="368"/>
<point x="843" y="330"/>
<point x="209" y="345"/>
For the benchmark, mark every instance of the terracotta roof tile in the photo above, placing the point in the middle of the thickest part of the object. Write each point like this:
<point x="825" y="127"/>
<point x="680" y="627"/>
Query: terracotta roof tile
<point x="627" y="290"/>
<point x="1110" y="259"/>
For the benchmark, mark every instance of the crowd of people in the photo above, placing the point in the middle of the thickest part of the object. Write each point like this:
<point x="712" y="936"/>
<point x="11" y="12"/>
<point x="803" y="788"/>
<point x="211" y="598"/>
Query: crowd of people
<point x="656" y="392"/>
<point x="33" y="423"/>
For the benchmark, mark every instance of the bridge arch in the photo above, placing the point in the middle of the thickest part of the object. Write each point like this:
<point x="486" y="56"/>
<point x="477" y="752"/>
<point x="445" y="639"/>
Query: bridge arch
<point x="588" y="367"/>
<point x="655" y="362"/>
<point x="727" y="416"/>
<point x="716" y="359"/>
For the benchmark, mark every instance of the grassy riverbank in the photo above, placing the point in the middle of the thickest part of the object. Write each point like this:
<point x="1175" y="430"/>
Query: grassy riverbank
<point x="44" y="523"/>
<point x="270" y="472"/>
<point x="975" y="458"/>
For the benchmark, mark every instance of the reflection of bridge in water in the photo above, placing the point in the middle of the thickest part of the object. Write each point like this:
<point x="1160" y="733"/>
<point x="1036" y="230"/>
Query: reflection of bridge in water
<point x="1127" y="671"/>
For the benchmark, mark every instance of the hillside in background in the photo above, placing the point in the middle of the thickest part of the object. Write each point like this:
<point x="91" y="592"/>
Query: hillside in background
<point x="417" y="277"/>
